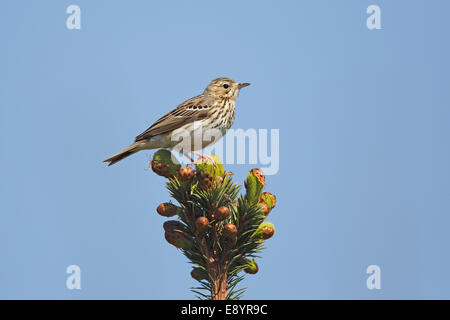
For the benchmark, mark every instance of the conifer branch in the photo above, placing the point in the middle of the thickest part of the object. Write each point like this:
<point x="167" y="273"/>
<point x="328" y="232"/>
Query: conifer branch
<point x="218" y="230"/>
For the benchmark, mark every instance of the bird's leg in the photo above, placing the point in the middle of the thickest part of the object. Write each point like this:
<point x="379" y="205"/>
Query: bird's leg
<point x="204" y="157"/>
<point x="186" y="154"/>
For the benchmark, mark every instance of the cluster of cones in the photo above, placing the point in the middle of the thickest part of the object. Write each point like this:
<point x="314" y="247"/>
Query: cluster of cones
<point x="207" y="175"/>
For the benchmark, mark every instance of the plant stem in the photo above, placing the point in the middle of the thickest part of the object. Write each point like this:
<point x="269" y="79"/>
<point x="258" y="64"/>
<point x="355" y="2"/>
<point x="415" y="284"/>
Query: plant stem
<point x="218" y="273"/>
<point x="219" y="286"/>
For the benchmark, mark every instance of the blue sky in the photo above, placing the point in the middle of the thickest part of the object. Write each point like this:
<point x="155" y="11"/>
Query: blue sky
<point x="364" y="142"/>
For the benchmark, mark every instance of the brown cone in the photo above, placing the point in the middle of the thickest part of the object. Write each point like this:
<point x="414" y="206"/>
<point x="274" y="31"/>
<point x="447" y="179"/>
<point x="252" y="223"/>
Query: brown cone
<point x="161" y="169"/>
<point x="186" y="173"/>
<point x="265" y="209"/>
<point x="222" y="213"/>
<point x="230" y="231"/>
<point x="173" y="225"/>
<point x="267" y="232"/>
<point x="176" y="238"/>
<point x="272" y="197"/>
<point x="259" y="175"/>
<point x="252" y="268"/>
<point x="167" y="209"/>
<point x="202" y="224"/>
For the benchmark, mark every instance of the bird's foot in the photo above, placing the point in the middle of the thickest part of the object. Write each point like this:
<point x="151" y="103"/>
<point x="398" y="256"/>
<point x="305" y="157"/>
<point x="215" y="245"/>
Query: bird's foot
<point x="190" y="159"/>
<point x="203" y="157"/>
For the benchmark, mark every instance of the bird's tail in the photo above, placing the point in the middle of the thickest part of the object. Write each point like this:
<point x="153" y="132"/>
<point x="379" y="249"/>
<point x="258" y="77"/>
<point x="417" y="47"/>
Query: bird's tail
<point x="135" y="147"/>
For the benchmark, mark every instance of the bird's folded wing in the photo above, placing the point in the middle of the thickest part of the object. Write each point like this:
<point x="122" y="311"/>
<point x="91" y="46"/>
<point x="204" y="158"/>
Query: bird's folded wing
<point x="189" y="111"/>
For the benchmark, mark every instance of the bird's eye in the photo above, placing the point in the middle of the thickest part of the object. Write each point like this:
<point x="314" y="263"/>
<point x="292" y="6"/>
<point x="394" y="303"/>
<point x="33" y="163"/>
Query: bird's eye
<point x="225" y="86"/>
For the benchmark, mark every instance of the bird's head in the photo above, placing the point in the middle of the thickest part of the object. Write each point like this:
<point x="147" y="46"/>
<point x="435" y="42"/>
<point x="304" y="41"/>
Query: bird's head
<point x="224" y="88"/>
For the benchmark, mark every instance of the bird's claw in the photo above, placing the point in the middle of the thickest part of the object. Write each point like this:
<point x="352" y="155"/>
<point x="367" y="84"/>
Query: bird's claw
<point x="203" y="157"/>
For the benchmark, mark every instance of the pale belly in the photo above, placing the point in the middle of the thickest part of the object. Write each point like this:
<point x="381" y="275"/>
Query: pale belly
<point x="191" y="137"/>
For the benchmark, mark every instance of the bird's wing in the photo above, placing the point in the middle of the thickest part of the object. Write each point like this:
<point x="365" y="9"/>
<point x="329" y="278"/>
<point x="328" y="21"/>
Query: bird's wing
<point x="191" y="110"/>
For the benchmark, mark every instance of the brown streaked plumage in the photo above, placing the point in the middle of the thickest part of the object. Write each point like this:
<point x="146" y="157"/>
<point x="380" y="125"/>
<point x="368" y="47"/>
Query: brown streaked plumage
<point x="214" y="108"/>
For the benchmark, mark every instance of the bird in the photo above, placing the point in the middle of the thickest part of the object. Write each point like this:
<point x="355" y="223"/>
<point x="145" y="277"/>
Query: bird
<point x="213" y="109"/>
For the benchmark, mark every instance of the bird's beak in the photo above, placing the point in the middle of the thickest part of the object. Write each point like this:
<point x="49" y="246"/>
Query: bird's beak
<point x="243" y="85"/>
